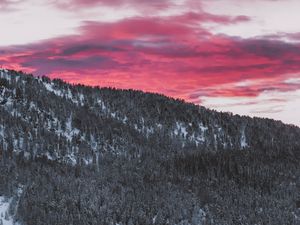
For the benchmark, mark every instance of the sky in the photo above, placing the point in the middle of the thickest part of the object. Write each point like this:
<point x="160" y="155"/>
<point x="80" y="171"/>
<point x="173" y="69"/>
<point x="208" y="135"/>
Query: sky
<point x="239" y="56"/>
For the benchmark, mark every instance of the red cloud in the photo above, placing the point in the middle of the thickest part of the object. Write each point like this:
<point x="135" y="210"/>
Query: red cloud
<point x="173" y="55"/>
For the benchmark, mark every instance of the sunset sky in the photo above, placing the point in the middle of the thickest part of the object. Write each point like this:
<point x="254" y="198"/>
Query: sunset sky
<point x="231" y="55"/>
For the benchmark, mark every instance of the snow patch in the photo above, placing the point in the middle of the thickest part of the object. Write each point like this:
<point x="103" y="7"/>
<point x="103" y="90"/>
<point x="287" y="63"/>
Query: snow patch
<point x="243" y="140"/>
<point x="49" y="87"/>
<point x="180" y="129"/>
<point x="4" y="74"/>
<point x="5" y="218"/>
<point x="5" y="204"/>
<point x="70" y="132"/>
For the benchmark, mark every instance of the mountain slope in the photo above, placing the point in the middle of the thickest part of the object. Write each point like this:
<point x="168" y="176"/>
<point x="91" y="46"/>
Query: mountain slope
<point x="86" y="155"/>
<point x="95" y="121"/>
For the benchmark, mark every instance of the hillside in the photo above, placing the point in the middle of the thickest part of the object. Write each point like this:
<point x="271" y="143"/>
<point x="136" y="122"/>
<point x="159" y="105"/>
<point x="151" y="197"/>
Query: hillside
<point x="90" y="155"/>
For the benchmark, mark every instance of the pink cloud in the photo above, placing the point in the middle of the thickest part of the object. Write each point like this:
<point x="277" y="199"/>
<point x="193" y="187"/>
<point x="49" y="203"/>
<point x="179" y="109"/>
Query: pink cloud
<point x="173" y="55"/>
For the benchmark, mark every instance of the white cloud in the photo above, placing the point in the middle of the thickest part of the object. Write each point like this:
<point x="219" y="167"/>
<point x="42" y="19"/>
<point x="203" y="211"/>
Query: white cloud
<point x="31" y="21"/>
<point x="35" y="20"/>
<point x="270" y="104"/>
<point x="268" y="17"/>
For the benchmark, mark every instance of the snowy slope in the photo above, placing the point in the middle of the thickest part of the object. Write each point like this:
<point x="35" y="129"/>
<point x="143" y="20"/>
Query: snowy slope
<point x="44" y="118"/>
<point x="5" y="218"/>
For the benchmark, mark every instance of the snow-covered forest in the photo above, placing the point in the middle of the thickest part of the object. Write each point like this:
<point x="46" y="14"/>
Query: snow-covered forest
<point x="91" y="155"/>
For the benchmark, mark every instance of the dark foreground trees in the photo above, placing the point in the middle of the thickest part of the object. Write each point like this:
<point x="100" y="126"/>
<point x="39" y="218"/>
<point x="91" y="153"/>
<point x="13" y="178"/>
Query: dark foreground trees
<point x="233" y="187"/>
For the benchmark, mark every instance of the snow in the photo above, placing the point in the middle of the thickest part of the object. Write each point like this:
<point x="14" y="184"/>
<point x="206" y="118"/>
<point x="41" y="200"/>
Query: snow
<point x="5" y="218"/>
<point x="49" y="157"/>
<point x="4" y="206"/>
<point x="197" y="137"/>
<point x="63" y="93"/>
<point x="4" y="70"/>
<point x="202" y="127"/>
<point x="113" y="115"/>
<point x="296" y="216"/>
<point x="243" y="139"/>
<point x="50" y="88"/>
<point x="125" y="120"/>
<point x="81" y="98"/>
<point x="72" y="159"/>
<point x="215" y="141"/>
<point x="180" y="129"/>
<point x="70" y="132"/>
<point x="4" y="74"/>
<point x="69" y="95"/>
<point x="183" y="130"/>
<point x="2" y="131"/>
<point x="88" y="161"/>
<point x="154" y="219"/>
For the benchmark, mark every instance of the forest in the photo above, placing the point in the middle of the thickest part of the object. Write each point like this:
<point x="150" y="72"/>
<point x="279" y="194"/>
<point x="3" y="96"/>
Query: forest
<point x="72" y="154"/>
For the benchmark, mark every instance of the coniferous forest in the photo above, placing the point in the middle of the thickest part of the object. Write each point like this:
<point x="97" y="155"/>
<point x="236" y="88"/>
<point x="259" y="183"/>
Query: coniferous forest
<point x="78" y="155"/>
